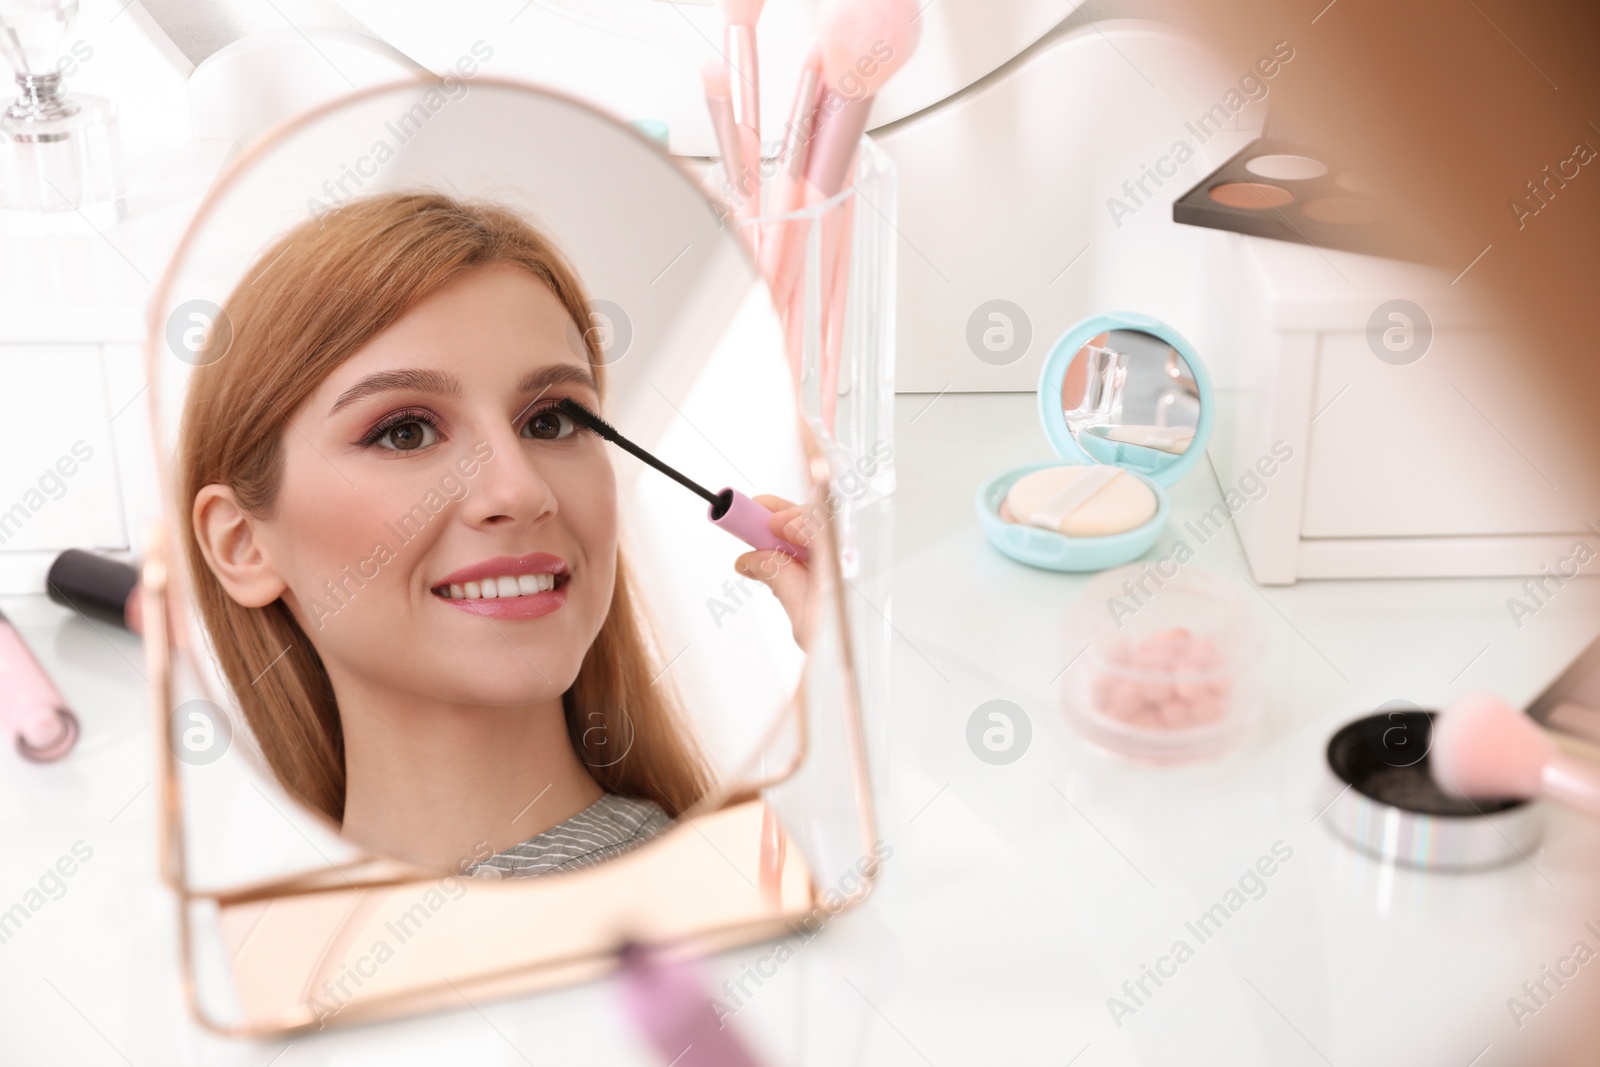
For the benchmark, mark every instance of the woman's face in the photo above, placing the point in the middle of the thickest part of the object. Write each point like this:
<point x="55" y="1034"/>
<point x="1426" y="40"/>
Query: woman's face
<point x="437" y="532"/>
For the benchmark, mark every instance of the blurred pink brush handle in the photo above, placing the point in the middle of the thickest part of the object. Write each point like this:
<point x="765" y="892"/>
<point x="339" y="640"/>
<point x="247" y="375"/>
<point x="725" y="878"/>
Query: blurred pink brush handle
<point x="836" y="235"/>
<point x="788" y="191"/>
<point x="666" y="1001"/>
<point x="839" y="127"/>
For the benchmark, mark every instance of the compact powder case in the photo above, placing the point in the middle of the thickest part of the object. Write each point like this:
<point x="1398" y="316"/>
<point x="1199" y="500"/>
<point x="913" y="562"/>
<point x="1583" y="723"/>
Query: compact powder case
<point x="1122" y="391"/>
<point x="1285" y="191"/>
<point x="1386" y="804"/>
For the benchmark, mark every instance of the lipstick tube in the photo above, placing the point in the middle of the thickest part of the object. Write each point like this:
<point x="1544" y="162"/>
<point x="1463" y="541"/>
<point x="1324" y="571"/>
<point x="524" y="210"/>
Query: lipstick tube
<point x="98" y="587"/>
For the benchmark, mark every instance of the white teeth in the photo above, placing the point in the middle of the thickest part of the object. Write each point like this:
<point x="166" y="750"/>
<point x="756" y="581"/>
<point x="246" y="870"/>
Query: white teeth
<point x="508" y="586"/>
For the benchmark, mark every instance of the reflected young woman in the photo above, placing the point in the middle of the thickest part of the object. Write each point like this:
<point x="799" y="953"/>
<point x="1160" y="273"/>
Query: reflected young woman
<point x="408" y="564"/>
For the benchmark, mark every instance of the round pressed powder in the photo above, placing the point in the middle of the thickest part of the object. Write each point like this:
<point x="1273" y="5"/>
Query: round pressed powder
<point x="1054" y="498"/>
<point x="1286" y="167"/>
<point x="1254" y="196"/>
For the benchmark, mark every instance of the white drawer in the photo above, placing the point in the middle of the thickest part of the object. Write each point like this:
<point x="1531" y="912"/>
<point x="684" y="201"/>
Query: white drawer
<point x="1445" y="447"/>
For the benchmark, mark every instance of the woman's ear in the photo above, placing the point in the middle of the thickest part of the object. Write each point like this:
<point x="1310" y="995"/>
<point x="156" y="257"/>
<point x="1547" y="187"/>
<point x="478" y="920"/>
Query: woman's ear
<point x="229" y="542"/>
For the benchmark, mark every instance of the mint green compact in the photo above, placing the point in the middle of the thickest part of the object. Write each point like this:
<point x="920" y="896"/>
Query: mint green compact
<point x="1122" y="390"/>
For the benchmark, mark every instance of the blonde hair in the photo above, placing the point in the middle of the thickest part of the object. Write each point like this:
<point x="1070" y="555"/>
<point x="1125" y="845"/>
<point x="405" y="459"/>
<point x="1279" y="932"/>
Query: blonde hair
<point x="335" y="282"/>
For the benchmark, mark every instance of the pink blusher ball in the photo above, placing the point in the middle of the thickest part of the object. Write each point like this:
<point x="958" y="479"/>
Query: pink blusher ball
<point x="1171" y="677"/>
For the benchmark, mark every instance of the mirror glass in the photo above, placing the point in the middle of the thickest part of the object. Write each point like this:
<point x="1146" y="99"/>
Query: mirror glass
<point x="1130" y="399"/>
<point x="353" y="357"/>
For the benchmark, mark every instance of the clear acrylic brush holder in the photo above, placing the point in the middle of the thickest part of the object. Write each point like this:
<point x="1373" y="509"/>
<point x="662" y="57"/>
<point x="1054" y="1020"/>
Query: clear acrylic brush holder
<point x="834" y="285"/>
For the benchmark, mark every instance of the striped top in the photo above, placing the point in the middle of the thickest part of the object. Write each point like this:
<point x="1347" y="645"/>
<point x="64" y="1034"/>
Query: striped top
<point x="604" y="830"/>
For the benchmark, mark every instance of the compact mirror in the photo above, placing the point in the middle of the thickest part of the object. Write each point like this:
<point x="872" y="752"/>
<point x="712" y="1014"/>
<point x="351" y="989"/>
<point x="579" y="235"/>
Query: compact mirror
<point x="1127" y="407"/>
<point x="459" y="692"/>
<point x="1131" y="400"/>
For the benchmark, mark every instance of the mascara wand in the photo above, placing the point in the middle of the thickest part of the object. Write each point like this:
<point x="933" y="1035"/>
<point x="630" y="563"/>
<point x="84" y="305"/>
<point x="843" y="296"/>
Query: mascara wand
<point x="730" y="509"/>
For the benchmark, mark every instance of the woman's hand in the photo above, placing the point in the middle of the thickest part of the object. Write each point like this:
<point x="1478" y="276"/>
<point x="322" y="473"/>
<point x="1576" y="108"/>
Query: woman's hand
<point x="787" y="577"/>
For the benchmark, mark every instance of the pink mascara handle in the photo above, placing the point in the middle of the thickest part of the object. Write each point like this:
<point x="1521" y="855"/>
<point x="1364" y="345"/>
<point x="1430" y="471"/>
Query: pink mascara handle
<point x="748" y="521"/>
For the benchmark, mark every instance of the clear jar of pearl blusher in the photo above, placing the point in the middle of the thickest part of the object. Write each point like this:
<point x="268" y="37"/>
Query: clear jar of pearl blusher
<point x="1169" y="664"/>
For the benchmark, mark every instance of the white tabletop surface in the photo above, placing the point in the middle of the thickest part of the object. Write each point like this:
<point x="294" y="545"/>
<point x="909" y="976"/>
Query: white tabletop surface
<point x="1018" y="898"/>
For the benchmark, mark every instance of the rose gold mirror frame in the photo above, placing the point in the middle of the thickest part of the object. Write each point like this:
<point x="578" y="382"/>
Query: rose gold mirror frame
<point x="167" y="631"/>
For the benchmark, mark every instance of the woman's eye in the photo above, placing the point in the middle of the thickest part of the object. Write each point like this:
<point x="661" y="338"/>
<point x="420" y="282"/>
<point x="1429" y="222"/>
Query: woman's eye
<point x="549" y="426"/>
<point x="408" y="436"/>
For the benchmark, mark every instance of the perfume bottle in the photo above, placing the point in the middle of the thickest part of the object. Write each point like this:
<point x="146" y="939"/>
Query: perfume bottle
<point x="58" y="152"/>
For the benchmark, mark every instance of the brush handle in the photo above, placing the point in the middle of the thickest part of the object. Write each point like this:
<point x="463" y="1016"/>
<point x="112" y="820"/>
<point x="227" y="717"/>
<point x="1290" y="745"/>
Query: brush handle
<point x="668" y="1004"/>
<point x="789" y="191"/>
<point x="841" y="122"/>
<point x="836" y="276"/>
<point x="1573" y="782"/>
<point x="838" y="129"/>
<point x="730" y="143"/>
<point x="751" y="523"/>
<point x="745" y="78"/>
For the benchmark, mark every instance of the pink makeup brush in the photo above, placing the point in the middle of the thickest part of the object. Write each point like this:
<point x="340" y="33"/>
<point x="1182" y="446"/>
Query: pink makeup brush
<point x="739" y="46"/>
<point x="719" y="102"/>
<point x="1484" y="748"/>
<point x="864" y="43"/>
<point x="836" y="276"/>
<point x="794" y="340"/>
<point x="667" y="1003"/>
<point x="788" y="193"/>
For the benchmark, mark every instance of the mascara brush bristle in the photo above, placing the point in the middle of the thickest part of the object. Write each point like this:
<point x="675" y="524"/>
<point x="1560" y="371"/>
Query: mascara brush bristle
<point x="588" y="419"/>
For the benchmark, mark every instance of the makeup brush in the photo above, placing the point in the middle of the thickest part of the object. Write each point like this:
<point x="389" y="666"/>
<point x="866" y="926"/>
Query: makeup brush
<point x="730" y="509"/>
<point x="1484" y="748"/>
<point x="719" y="102"/>
<point x="667" y="1003"/>
<point x="744" y="67"/>
<point x="789" y="191"/>
<point x="836" y="236"/>
<point x="864" y="43"/>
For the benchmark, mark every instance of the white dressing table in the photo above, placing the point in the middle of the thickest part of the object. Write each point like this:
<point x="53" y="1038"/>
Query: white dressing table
<point x="1018" y="898"/>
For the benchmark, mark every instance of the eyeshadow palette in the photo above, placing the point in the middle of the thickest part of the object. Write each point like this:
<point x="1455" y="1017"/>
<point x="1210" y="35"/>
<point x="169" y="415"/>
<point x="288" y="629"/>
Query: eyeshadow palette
<point x="1284" y="191"/>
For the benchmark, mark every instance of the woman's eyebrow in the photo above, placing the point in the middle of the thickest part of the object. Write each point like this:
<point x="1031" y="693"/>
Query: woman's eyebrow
<point x="547" y="377"/>
<point x="422" y="381"/>
<point x="442" y="383"/>
<point x="551" y="375"/>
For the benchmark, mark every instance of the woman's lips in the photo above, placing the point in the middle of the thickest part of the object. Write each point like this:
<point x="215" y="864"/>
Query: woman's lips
<point x="509" y="602"/>
<point x="529" y="606"/>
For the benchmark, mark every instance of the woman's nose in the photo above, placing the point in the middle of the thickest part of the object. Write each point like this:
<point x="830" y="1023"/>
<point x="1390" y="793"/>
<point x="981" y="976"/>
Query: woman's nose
<point x="510" y="487"/>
